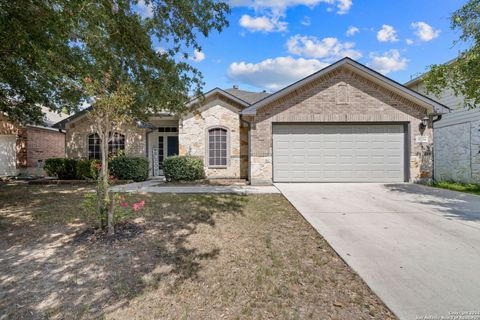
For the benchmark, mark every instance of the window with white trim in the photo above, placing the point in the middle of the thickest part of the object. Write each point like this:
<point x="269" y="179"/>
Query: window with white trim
<point x="217" y="147"/>
<point x="116" y="143"/>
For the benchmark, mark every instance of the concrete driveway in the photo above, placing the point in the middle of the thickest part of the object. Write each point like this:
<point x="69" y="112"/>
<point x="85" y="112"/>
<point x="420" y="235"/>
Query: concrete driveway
<point x="418" y="248"/>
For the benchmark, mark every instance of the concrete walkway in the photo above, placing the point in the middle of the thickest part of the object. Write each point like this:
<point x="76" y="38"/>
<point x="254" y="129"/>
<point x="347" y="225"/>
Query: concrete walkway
<point x="158" y="186"/>
<point x="418" y="248"/>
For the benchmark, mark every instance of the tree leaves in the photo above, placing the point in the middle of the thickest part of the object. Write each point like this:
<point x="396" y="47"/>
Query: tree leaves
<point x="48" y="47"/>
<point x="463" y="74"/>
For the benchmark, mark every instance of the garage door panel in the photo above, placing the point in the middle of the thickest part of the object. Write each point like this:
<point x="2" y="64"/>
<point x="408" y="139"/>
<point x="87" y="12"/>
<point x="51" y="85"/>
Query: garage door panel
<point x="338" y="153"/>
<point x="8" y="155"/>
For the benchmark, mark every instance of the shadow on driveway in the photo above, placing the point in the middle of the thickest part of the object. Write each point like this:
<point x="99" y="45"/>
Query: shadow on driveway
<point x="450" y="204"/>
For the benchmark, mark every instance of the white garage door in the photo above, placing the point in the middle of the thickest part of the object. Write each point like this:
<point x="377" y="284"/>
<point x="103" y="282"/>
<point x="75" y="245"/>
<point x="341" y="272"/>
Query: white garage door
<point x="338" y="153"/>
<point x="7" y="155"/>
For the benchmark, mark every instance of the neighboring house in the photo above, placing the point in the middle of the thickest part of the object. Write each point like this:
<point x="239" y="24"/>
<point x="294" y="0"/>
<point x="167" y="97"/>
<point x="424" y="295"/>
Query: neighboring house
<point x="456" y="137"/>
<point x="344" y="123"/>
<point x="24" y="148"/>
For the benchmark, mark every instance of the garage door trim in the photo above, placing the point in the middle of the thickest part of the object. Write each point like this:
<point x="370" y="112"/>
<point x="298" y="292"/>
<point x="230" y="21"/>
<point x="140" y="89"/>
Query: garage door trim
<point x="406" y="136"/>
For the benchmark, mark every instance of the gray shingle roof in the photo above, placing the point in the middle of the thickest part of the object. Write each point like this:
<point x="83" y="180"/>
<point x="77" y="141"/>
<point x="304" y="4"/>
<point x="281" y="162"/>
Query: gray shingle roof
<point x="247" y="96"/>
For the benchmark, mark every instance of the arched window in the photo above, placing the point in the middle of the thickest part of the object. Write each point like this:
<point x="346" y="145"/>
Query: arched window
<point x="217" y="147"/>
<point x="116" y="143"/>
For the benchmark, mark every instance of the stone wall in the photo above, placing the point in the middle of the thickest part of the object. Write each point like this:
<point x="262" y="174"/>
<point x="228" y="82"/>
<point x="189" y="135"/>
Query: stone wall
<point x="193" y="135"/>
<point x="457" y="147"/>
<point x="79" y="130"/>
<point x="340" y="96"/>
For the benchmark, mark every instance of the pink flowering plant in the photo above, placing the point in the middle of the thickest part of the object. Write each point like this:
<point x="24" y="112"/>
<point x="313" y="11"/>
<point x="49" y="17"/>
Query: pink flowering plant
<point x="119" y="206"/>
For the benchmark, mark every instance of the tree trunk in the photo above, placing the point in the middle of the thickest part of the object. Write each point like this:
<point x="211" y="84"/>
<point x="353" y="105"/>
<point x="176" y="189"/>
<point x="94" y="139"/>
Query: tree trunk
<point x="107" y="203"/>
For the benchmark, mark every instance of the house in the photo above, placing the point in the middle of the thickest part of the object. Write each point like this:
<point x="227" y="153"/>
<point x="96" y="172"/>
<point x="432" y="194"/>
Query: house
<point x="456" y="137"/>
<point x="24" y="148"/>
<point x="344" y="123"/>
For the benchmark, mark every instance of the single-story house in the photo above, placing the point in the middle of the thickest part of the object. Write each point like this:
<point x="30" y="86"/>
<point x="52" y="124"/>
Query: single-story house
<point x="344" y="123"/>
<point x="23" y="149"/>
<point x="456" y="136"/>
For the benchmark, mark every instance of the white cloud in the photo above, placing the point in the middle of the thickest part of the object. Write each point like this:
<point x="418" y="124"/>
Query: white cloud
<point x="306" y="21"/>
<point x="329" y="49"/>
<point x="144" y="10"/>
<point x="387" y="34"/>
<point x="273" y="74"/>
<point x="425" y="32"/>
<point x="263" y="23"/>
<point x="197" y="56"/>
<point x="409" y="41"/>
<point x="278" y="7"/>
<point x="351" y="31"/>
<point x="390" y="61"/>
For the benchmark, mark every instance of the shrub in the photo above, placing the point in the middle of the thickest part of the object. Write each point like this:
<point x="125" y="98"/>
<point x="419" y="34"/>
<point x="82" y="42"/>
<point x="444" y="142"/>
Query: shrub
<point x="183" y="168"/>
<point x="86" y="169"/>
<point x="62" y="168"/>
<point x="129" y="168"/>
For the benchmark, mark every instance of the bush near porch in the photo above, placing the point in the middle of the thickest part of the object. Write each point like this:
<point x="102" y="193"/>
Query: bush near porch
<point x="121" y="167"/>
<point x="183" y="168"/>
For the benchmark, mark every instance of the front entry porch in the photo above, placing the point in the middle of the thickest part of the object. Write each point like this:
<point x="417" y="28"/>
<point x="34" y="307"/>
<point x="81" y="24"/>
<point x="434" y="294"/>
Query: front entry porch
<point x="163" y="142"/>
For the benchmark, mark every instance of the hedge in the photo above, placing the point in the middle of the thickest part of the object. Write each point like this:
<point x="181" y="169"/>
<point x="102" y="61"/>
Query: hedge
<point x="183" y="168"/>
<point x="87" y="169"/>
<point x="62" y="168"/>
<point x="129" y="168"/>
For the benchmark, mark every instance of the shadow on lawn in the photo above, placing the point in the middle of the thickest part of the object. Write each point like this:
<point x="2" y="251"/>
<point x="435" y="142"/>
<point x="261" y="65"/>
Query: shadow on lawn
<point x="451" y="204"/>
<point x="53" y="271"/>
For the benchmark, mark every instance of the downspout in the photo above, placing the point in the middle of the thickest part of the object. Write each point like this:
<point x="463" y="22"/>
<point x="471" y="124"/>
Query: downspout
<point x="438" y="118"/>
<point x="249" y="142"/>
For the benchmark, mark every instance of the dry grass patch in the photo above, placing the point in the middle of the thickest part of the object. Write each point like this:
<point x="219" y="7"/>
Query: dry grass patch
<point x="183" y="257"/>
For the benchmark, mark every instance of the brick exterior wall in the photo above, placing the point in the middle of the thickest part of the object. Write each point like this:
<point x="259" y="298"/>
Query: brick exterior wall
<point x="43" y="144"/>
<point x="340" y="96"/>
<point x="79" y="130"/>
<point x="193" y="136"/>
<point x="34" y="144"/>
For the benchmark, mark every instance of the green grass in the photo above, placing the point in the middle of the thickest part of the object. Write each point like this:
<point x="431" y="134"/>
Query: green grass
<point x="457" y="186"/>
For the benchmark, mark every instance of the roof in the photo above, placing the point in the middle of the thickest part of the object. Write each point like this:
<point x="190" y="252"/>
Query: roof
<point x="242" y="97"/>
<point x="52" y="117"/>
<point x="248" y="96"/>
<point x="219" y="91"/>
<point x="420" y="77"/>
<point x="62" y="124"/>
<point x="432" y="105"/>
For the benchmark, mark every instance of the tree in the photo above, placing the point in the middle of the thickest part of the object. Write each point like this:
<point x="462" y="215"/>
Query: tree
<point x="48" y="47"/>
<point x="463" y="74"/>
<point x="60" y="53"/>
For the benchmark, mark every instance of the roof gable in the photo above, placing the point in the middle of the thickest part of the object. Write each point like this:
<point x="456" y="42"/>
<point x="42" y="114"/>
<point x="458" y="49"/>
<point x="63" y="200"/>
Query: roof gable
<point x="432" y="105"/>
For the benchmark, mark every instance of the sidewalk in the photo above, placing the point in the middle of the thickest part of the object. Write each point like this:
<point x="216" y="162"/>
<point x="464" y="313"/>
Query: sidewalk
<point x="159" y="186"/>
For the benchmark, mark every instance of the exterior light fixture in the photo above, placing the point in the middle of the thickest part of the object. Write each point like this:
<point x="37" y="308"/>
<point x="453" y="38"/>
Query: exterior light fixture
<point x="424" y="123"/>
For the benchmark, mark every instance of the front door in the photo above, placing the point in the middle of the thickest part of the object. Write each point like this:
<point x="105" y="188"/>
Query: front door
<point x="165" y="145"/>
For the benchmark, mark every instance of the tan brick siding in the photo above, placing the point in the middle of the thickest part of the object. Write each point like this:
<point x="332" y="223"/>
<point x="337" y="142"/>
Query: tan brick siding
<point x="317" y="102"/>
<point x="78" y="132"/>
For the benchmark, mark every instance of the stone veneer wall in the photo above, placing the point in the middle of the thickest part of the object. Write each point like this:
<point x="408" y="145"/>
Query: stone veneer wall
<point x="320" y="101"/>
<point x="457" y="147"/>
<point x="78" y="132"/>
<point x="193" y="135"/>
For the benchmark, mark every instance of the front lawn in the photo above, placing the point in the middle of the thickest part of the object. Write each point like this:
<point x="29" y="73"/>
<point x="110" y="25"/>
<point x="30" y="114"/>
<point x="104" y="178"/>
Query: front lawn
<point x="457" y="186"/>
<point x="182" y="257"/>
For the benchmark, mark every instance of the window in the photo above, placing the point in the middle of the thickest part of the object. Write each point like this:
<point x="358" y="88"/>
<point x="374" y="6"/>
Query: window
<point x="94" y="147"/>
<point x="217" y="147"/>
<point x="167" y="129"/>
<point x="116" y="143"/>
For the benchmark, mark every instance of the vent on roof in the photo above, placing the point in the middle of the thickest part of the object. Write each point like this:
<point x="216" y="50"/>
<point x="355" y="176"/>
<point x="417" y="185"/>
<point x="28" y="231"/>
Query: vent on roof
<point x="235" y="86"/>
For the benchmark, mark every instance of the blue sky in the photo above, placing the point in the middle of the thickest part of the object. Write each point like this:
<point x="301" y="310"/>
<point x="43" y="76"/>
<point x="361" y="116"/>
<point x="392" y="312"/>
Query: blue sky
<point x="270" y="44"/>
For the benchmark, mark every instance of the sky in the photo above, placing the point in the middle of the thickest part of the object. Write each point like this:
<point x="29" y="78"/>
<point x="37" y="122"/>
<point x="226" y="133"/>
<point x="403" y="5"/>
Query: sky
<point x="270" y="44"/>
